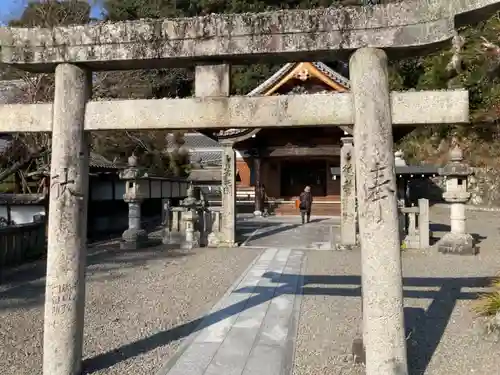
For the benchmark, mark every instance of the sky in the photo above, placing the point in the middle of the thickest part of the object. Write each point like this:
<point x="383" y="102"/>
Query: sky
<point x="10" y="9"/>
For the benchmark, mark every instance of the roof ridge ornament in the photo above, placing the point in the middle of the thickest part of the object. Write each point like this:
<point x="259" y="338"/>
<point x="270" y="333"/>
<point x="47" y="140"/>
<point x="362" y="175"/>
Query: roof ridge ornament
<point x="303" y="74"/>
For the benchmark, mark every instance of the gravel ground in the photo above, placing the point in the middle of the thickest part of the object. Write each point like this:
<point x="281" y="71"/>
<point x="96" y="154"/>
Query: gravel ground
<point x="328" y="323"/>
<point x="444" y="335"/>
<point x="139" y="305"/>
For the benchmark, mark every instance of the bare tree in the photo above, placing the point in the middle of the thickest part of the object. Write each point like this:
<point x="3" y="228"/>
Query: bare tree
<point x="28" y="153"/>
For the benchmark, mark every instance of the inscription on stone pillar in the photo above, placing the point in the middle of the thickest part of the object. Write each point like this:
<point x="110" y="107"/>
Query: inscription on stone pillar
<point x="379" y="189"/>
<point x="229" y="195"/>
<point x="259" y="191"/>
<point x="348" y="195"/>
<point x="227" y="178"/>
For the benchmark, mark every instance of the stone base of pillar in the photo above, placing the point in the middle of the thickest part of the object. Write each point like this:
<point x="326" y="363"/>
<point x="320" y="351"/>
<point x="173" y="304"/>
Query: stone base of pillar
<point x="346" y="247"/>
<point x="257" y="213"/>
<point x="133" y="239"/>
<point x="228" y="244"/>
<point x="336" y="242"/>
<point x="458" y="244"/>
<point x="193" y="243"/>
<point x="214" y="239"/>
<point x="172" y="238"/>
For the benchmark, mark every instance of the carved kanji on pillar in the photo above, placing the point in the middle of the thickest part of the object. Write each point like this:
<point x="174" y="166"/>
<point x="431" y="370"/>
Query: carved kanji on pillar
<point x="259" y="193"/>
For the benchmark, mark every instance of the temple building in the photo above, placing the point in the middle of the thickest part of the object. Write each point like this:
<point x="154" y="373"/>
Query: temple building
<point x="283" y="161"/>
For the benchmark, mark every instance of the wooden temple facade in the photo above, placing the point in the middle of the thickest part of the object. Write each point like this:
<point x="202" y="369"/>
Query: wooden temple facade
<point x="278" y="163"/>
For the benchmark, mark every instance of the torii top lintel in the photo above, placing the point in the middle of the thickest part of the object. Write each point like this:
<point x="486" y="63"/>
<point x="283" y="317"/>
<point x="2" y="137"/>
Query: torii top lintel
<point x="296" y="35"/>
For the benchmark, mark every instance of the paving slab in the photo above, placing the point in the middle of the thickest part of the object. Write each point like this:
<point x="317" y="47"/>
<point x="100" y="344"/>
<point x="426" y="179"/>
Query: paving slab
<point x="251" y="323"/>
<point x="289" y="232"/>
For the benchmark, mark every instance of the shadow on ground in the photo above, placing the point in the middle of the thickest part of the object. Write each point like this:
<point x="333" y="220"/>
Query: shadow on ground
<point x="257" y="229"/>
<point x="97" y="245"/>
<point x="28" y="283"/>
<point x="436" y="228"/>
<point x="424" y="326"/>
<point x="25" y="286"/>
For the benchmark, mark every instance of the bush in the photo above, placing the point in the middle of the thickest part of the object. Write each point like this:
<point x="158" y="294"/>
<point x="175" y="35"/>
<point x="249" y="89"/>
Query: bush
<point x="489" y="303"/>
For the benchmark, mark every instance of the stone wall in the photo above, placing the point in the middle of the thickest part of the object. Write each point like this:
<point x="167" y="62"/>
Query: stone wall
<point x="484" y="186"/>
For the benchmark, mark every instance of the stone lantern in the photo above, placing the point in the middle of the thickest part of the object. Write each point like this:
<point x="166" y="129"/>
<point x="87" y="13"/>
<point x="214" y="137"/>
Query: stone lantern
<point x="457" y="241"/>
<point x="399" y="160"/>
<point x="134" y="237"/>
<point x="190" y="218"/>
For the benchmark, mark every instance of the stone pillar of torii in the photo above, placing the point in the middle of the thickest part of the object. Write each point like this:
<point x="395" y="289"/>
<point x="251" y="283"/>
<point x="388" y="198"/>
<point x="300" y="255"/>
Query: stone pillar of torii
<point x="212" y="43"/>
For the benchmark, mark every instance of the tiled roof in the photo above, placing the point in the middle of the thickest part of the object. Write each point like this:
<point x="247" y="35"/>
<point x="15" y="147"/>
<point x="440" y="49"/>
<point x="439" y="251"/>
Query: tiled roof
<point x="21" y="198"/>
<point x="206" y="157"/>
<point x="202" y="149"/>
<point x="194" y="141"/>
<point x="205" y="175"/>
<point x="99" y="161"/>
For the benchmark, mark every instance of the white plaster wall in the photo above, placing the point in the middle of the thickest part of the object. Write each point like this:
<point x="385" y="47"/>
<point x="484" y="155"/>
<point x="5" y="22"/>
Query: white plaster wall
<point x="23" y="214"/>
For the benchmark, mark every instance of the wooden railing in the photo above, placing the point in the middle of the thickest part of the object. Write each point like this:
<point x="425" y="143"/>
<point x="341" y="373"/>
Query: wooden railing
<point x="22" y="243"/>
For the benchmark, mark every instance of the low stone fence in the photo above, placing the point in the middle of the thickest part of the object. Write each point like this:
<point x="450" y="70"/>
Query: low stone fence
<point x="414" y="225"/>
<point x="22" y="243"/>
<point x="207" y="227"/>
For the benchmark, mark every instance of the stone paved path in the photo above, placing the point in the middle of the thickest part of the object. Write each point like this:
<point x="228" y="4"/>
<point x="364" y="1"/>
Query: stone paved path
<point x="288" y="232"/>
<point x="251" y="330"/>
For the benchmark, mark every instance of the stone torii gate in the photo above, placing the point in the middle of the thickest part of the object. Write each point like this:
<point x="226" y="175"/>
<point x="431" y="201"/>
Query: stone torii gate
<point x="212" y="43"/>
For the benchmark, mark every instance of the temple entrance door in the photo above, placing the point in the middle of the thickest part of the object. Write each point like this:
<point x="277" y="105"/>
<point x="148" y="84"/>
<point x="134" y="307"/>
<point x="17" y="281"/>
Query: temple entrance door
<point x="297" y="174"/>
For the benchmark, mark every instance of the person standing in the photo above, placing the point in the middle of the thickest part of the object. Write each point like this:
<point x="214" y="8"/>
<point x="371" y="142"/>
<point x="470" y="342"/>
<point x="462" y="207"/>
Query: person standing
<point x="305" y="204"/>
